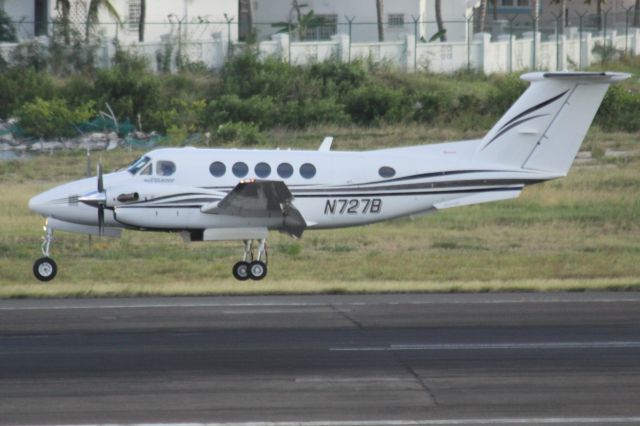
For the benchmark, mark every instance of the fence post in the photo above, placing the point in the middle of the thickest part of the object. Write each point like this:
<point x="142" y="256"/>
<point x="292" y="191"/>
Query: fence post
<point x="581" y="30"/>
<point x="229" y="46"/>
<point x="469" y="19"/>
<point x="350" y="21"/>
<point x="410" y="53"/>
<point x="626" y="29"/>
<point x="585" y="51"/>
<point x="343" y="42"/>
<point x="636" y="41"/>
<point x="534" y="59"/>
<point x="415" y="42"/>
<point x="282" y="42"/>
<point x="485" y="42"/>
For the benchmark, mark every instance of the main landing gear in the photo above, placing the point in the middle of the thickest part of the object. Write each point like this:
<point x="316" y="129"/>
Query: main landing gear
<point x="45" y="268"/>
<point x="251" y="267"/>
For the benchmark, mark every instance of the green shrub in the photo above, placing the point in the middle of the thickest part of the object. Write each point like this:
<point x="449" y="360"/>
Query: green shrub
<point x="54" y="118"/>
<point x="243" y="133"/>
<point x="311" y="112"/>
<point x="129" y="88"/>
<point x="18" y="87"/>
<point x="7" y="29"/>
<point x="373" y="104"/>
<point x="259" y="110"/>
<point x="619" y="109"/>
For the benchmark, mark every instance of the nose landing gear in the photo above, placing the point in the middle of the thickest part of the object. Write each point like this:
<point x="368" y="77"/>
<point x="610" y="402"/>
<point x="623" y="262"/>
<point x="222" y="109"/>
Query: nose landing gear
<point x="251" y="267"/>
<point x="45" y="268"/>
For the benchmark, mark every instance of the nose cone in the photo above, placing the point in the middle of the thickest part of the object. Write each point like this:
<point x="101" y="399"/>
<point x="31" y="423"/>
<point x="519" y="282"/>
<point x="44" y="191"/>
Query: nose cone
<point x="42" y="203"/>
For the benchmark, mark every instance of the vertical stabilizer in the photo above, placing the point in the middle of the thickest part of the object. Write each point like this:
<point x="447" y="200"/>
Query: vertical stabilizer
<point x="544" y="129"/>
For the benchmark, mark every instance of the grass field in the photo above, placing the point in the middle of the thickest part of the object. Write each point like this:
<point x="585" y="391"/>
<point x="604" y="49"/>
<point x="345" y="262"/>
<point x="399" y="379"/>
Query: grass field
<point x="578" y="233"/>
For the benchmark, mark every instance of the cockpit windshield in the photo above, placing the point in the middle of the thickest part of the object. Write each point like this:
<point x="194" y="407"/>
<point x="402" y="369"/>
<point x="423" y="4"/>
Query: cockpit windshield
<point x="137" y="165"/>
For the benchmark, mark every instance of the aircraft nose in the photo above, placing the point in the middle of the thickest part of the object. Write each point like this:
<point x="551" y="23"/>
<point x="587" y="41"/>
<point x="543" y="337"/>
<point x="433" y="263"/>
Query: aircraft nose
<point x="46" y="202"/>
<point x="38" y="204"/>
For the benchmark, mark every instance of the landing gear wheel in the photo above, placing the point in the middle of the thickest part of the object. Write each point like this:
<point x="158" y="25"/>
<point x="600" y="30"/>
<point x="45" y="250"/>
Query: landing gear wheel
<point x="241" y="271"/>
<point x="257" y="270"/>
<point x="45" y="269"/>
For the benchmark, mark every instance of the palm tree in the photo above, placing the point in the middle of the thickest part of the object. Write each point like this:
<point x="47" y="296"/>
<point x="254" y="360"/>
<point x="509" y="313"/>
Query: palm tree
<point x="94" y="10"/>
<point x="599" y="4"/>
<point x="442" y="33"/>
<point x="482" y="15"/>
<point x="64" y="8"/>
<point x="380" y="13"/>
<point x="142" y="19"/>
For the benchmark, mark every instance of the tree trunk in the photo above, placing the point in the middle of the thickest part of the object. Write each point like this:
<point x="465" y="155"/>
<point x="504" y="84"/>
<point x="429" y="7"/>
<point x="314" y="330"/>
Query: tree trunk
<point x="599" y="13"/>
<point x="443" y="36"/>
<point x="482" y="15"/>
<point x="142" y="19"/>
<point x="380" y="12"/>
<point x="563" y="16"/>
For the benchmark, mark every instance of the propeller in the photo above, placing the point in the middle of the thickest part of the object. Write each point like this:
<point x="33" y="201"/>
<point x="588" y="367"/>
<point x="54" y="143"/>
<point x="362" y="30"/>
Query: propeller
<point x="97" y="199"/>
<point x="104" y="201"/>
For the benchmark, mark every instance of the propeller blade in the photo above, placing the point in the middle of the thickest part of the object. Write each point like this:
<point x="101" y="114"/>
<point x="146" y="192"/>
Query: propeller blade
<point x="100" y="219"/>
<point x="100" y="184"/>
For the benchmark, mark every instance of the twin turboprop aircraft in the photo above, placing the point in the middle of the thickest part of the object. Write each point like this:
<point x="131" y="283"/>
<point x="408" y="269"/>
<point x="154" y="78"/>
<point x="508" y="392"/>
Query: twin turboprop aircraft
<point x="233" y="194"/>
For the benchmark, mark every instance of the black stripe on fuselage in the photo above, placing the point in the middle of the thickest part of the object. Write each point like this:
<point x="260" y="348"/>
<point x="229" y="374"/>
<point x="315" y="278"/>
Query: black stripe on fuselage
<point x="410" y="193"/>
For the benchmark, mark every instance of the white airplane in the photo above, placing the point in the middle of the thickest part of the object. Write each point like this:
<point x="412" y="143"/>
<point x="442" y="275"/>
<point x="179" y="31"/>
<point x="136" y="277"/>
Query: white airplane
<point x="237" y="194"/>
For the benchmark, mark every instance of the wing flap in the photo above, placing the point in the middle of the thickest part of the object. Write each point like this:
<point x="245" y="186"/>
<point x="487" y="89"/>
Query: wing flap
<point x="261" y="199"/>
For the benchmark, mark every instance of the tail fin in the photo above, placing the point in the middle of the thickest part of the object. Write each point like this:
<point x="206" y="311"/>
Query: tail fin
<point x="544" y="129"/>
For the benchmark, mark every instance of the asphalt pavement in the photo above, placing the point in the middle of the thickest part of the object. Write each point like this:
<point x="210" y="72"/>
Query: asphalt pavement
<point x="555" y="358"/>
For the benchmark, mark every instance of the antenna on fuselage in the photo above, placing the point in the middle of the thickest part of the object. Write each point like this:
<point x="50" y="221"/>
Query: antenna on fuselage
<point x="326" y="144"/>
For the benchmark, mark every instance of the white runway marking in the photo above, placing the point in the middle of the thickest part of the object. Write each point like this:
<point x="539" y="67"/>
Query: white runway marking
<point x="444" y="422"/>
<point x="495" y="346"/>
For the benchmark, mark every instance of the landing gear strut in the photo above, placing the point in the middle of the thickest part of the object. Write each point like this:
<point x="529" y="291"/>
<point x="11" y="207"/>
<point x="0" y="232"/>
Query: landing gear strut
<point x="45" y="268"/>
<point x="252" y="267"/>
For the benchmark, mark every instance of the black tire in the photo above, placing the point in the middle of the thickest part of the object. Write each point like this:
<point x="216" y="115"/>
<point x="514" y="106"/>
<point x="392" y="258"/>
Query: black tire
<point x="241" y="271"/>
<point x="257" y="270"/>
<point x="45" y="269"/>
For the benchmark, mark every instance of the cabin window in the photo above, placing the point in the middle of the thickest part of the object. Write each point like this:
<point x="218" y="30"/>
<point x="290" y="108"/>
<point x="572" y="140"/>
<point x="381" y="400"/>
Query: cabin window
<point x="285" y="170"/>
<point x="387" y="172"/>
<point x="165" y="168"/>
<point x="147" y="170"/>
<point x="307" y="170"/>
<point x="240" y="169"/>
<point x="217" y="169"/>
<point x="262" y="170"/>
<point x="137" y="165"/>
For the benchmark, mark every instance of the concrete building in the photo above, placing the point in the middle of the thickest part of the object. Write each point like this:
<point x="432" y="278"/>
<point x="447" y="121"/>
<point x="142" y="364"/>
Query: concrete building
<point x="401" y="17"/>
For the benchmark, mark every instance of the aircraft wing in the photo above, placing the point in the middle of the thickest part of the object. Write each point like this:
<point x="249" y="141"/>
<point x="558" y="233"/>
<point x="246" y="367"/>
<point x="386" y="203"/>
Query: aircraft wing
<point x="261" y="199"/>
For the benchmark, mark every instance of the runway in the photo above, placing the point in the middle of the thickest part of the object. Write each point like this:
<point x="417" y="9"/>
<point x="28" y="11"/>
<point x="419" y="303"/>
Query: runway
<point x="570" y="358"/>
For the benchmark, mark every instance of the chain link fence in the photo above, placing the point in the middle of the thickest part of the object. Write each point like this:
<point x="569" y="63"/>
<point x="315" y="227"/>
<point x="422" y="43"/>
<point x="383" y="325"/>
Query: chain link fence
<point x="513" y="43"/>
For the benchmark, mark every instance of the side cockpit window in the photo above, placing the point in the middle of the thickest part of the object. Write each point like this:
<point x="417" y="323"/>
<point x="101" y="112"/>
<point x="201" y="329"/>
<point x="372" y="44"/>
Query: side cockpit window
<point x="139" y="164"/>
<point x="165" y="168"/>
<point x="147" y="170"/>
